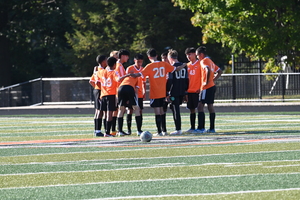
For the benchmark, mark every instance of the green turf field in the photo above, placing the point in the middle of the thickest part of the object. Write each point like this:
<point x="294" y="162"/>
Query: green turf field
<point x="252" y="156"/>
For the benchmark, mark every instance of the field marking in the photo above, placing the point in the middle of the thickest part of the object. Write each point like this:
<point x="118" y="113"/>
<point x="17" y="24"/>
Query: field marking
<point x="199" y="194"/>
<point x="152" y="180"/>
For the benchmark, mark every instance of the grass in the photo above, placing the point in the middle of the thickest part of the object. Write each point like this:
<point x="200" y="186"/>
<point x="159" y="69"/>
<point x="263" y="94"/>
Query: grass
<point x="252" y="156"/>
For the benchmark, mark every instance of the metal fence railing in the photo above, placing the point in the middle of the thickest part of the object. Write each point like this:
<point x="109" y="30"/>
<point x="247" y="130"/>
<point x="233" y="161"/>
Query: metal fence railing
<point x="230" y="87"/>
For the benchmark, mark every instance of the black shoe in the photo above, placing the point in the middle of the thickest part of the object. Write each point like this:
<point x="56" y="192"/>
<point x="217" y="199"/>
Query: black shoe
<point x="99" y="134"/>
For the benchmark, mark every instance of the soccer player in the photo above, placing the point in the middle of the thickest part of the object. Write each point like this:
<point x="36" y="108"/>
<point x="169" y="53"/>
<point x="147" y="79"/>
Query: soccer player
<point x="127" y="96"/>
<point x="210" y="73"/>
<point x="136" y="68"/>
<point x="109" y="84"/>
<point x="122" y="55"/>
<point x="156" y="71"/>
<point x="95" y="83"/>
<point x="194" y="73"/>
<point x="177" y="86"/>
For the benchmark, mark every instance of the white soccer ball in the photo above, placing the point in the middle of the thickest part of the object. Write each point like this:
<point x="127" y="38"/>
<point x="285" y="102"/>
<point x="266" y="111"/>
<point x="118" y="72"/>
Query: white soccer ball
<point x="146" y="136"/>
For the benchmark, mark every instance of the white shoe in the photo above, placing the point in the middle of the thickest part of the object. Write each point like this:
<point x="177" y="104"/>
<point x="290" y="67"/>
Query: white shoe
<point x="139" y="133"/>
<point x="121" y="133"/>
<point x="158" y="134"/>
<point x="164" y="133"/>
<point x="179" y="132"/>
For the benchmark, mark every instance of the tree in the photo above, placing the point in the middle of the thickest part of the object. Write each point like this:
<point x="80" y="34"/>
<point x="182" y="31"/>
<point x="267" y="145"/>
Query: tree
<point x="32" y="38"/>
<point x="261" y="28"/>
<point x="102" y="26"/>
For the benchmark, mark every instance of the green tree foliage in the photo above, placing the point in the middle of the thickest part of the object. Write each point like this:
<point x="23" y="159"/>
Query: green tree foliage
<point x="260" y="28"/>
<point x="101" y="26"/>
<point x="32" y="35"/>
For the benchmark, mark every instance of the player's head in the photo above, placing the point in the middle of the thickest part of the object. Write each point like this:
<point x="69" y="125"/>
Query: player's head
<point x="151" y="53"/>
<point x="101" y="60"/>
<point x="123" y="55"/>
<point x="111" y="62"/>
<point x="172" y="55"/>
<point x="201" y="52"/>
<point x="190" y="53"/>
<point x="114" y="54"/>
<point x="164" y="57"/>
<point x="138" y="59"/>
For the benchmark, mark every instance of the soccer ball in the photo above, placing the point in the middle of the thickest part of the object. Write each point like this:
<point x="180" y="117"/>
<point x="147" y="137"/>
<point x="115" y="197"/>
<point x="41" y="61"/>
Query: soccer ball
<point x="146" y="136"/>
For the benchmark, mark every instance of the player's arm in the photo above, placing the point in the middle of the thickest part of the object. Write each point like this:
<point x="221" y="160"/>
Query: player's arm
<point x="135" y="75"/>
<point x="180" y="67"/>
<point x="120" y="79"/>
<point x="207" y="70"/>
<point x="219" y="73"/>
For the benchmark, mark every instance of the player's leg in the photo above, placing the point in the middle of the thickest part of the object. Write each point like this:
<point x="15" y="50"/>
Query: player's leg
<point x="176" y="115"/>
<point x="192" y="105"/>
<point x="111" y="107"/>
<point x="97" y="119"/>
<point x="163" y="118"/>
<point x="122" y="102"/>
<point x="157" y="105"/>
<point x="129" y="118"/>
<point x="210" y="106"/>
<point x="139" y="118"/>
<point x="201" y="115"/>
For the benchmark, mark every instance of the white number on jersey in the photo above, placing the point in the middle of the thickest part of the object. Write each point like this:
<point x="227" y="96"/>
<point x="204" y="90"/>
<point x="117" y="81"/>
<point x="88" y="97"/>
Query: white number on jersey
<point x="180" y="74"/>
<point x="159" y="72"/>
<point x="106" y="82"/>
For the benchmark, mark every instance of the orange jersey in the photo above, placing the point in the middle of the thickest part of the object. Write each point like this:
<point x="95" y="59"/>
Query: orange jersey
<point x="157" y="72"/>
<point x="120" y="70"/>
<point x="213" y="68"/>
<point x="109" y="83"/>
<point x="194" y="71"/>
<point x="141" y="80"/>
<point x="95" y="80"/>
<point x="130" y="81"/>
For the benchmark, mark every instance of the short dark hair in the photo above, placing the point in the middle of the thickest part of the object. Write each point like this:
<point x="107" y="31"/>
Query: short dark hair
<point x="201" y="49"/>
<point x="151" y="52"/>
<point x="139" y="56"/>
<point x="123" y="52"/>
<point x="164" y="54"/>
<point x="111" y="61"/>
<point x="100" y="58"/>
<point x="190" y="50"/>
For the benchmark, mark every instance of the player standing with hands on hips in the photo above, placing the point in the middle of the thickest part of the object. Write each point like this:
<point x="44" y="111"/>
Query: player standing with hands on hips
<point x="209" y="74"/>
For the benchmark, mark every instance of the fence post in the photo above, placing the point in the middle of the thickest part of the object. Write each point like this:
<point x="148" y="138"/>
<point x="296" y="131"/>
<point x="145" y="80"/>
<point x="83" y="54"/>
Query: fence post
<point x="42" y="91"/>
<point x="259" y="80"/>
<point x="233" y="79"/>
<point x="283" y="87"/>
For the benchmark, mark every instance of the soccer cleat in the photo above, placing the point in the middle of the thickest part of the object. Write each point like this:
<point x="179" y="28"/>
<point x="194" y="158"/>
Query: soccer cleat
<point x="129" y="133"/>
<point x="201" y="130"/>
<point x="191" y="131"/>
<point x="158" y="134"/>
<point x="211" y="131"/>
<point x="138" y="133"/>
<point x="121" y="133"/>
<point x="108" y="135"/>
<point x="179" y="132"/>
<point x="164" y="133"/>
<point x="98" y="134"/>
<point x="114" y="133"/>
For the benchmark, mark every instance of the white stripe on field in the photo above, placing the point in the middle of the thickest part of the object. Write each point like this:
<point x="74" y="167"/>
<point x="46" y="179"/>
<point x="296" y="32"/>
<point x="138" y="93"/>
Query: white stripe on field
<point x="154" y="180"/>
<point x="199" y="194"/>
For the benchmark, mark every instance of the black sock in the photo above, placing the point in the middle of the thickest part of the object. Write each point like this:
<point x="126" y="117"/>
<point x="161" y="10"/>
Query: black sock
<point x="120" y="124"/>
<point x="108" y="126"/>
<point x="114" y="123"/>
<point x="192" y="120"/>
<point x="138" y="120"/>
<point x="158" y="122"/>
<point x="99" y="124"/>
<point x="96" y="124"/>
<point x="163" y="123"/>
<point x="129" y="120"/>
<point x="212" y="117"/>
<point x="104" y="123"/>
<point x="201" y="120"/>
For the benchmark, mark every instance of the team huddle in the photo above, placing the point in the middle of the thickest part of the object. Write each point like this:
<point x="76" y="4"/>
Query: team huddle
<point x="170" y="82"/>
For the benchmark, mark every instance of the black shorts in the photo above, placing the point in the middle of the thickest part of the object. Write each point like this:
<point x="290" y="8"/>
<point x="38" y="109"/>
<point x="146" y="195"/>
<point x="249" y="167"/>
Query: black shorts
<point x="97" y="102"/>
<point x="127" y="96"/>
<point x="108" y="103"/>
<point x="208" y="96"/>
<point x="140" y="103"/>
<point x="177" y="100"/>
<point x="157" y="102"/>
<point x="193" y="100"/>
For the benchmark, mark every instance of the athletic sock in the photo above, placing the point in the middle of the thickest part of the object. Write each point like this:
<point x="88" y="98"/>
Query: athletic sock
<point x="129" y="120"/>
<point x="163" y="123"/>
<point x="201" y="120"/>
<point x="138" y="120"/>
<point x="99" y="124"/>
<point x="158" y="122"/>
<point x="192" y="120"/>
<point x="120" y="124"/>
<point x="108" y="126"/>
<point x="96" y="125"/>
<point x="104" y="123"/>
<point x="212" y="117"/>
<point x="114" y="123"/>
